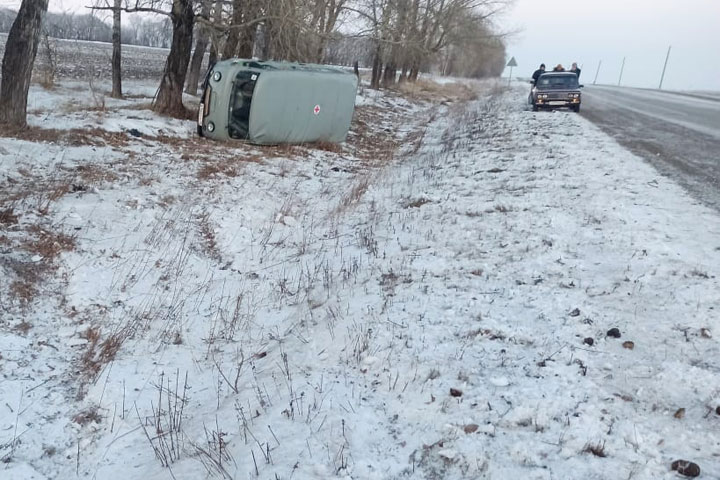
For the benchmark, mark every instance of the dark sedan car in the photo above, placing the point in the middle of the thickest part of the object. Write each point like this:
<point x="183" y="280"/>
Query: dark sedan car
<point x="556" y="90"/>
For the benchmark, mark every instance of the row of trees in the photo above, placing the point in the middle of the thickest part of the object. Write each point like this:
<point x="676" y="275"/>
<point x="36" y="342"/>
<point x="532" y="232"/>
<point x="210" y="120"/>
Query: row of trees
<point x="137" y="30"/>
<point x="397" y="38"/>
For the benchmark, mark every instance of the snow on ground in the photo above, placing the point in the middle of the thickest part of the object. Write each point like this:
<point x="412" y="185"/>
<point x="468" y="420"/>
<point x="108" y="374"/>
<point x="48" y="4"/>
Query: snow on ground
<point x="75" y="104"/>
<point x="419" y="303"/>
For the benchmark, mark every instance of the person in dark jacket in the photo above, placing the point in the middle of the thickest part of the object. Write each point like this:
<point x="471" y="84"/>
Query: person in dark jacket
<point x="575" y="70"/>
<point x="536" y="74"/>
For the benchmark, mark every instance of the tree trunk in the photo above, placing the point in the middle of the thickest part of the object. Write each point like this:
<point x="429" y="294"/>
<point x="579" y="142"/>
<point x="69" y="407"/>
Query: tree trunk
<point x="169" y="98"/>
<point x="199" y="53"/>
<point x="266" y="48"/>
<point x="246" y="42"/>
<point x="414" y="72"/>
<point x="215" y="37"/>
<point x="231" y="43"/>
<point x="390" y="74"/>
<point x="213" y="56"/>
<point x="196" y="63"/>
<point x="116" y="54"/>
<point x="20" y="50"/>
<point x="376" y="69"/>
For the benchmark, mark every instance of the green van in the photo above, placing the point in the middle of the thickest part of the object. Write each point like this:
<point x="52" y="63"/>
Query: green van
<point x="276" y="102"/>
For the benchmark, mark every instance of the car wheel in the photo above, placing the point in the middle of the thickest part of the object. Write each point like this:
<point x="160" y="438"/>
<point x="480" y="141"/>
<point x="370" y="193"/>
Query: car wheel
<point x="535" y="108"/>
<point x="576" y="108"/>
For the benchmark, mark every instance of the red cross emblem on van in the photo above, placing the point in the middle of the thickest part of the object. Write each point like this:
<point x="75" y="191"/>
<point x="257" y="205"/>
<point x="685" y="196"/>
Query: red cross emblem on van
<point x="316" y="110"/>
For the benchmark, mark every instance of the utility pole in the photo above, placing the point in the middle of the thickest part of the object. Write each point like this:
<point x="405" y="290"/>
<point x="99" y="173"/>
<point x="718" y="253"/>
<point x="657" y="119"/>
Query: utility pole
<point x="662" y="77"/>
<point x="621" y="71"/>
<point x="597" y="72"/>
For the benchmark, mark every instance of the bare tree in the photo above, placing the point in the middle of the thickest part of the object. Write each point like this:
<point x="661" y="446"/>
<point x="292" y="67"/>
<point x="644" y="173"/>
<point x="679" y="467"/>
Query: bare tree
<point x="216" y="34"/>
<point x="201" y="44"/>
<point x="475" y="51"/>
<point x="408" y="34"/>
<point x="169" y="97"/>
<point x="20" y="51"/>
<point x="242" y="29"/>
<point x="117" y="50"/>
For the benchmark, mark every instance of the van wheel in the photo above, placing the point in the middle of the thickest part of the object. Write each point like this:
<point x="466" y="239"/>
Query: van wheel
<point x="200" y="131"/>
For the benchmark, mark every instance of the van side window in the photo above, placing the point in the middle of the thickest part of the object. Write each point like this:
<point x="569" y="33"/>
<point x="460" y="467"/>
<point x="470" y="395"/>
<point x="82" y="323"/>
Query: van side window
<point x="241" y="100"/>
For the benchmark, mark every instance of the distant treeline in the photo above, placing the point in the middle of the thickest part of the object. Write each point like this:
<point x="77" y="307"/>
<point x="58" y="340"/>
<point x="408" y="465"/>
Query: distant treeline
<point x="137" y="30"/>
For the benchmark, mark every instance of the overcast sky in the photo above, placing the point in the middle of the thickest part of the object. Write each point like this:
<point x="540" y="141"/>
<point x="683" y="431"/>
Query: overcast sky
<point x="588" y="31"/>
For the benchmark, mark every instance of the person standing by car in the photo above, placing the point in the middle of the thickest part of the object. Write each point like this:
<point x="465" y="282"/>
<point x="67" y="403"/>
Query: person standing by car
<point x="575" y="70"/>
<point x="559" y="68"/>
<point x="536" y="74"/>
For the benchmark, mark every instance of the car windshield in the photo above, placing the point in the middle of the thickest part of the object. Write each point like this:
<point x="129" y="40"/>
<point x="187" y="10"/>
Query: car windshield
<point x="558" y="81"/>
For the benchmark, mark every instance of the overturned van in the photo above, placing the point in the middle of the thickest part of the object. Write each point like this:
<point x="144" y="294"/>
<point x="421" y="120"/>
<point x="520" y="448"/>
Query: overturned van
<point x="276" y="102"/>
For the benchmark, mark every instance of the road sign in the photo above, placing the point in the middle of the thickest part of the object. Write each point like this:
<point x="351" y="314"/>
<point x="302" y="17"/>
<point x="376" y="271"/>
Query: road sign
<point x="512" y="63"/>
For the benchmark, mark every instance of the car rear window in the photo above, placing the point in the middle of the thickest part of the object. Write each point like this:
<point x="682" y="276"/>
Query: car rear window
<point x="558" y="81"/>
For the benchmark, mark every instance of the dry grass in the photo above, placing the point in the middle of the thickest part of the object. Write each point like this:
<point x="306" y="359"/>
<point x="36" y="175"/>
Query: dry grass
<point x="597" y="449"/>
<point x="353" y="196"/>
<point x="8" y="217"/>
<point x="167" y="200"/>
<point x="427" y="90"/>
<point x="219" y="168"/>
<point x="372" y="146"/>
<point x="48" y="244"/>
<point x="416" y="203"/>
<point x="285" y="150"/>
<point x="87" y="416"/>
<point x="23" y="327"/>
<point x="207" y="232"/>
<point x="328" y="147"/>
<point x="24" y="290"/>
<point x="99" y="351"/>
<point x="71" y="137"/>
<point x="25" y="277"/>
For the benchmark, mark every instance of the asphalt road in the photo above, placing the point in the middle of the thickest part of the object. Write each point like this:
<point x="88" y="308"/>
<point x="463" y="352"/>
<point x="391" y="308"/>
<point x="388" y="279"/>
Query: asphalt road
<point x="679" y="133"/>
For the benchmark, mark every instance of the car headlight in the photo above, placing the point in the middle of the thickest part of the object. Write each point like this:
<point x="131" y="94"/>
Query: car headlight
<point x="217" y="76"/>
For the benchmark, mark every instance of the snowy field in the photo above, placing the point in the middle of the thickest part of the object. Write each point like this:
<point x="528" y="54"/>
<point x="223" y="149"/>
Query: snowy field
<point x="431" y="300"/>
<point x="74" y="59"/>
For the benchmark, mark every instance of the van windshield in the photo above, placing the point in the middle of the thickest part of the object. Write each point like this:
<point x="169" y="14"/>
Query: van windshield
<point x="240" y="102"/>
